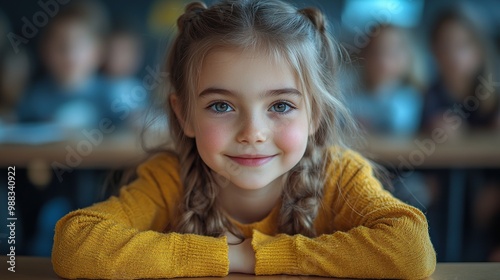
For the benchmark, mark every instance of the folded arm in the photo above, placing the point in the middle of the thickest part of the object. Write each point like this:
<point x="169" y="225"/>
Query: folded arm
<point x="378" y="236"/>
<point x="122" y="237"/>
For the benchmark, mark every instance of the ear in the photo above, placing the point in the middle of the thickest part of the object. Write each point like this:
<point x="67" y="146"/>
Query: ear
<point x="176" y="106"/>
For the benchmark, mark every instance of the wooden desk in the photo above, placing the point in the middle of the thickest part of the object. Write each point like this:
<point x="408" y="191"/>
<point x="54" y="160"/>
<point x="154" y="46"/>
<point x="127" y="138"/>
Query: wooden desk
<point x="111" y="153"/>
<point x="473" y="151"/>
<point x="481" y="150"/>
<point x="28" y="268"/>
<point x="478" y="150"/>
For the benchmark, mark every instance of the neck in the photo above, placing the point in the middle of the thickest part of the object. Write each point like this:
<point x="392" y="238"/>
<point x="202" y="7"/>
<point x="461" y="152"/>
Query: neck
<point x="248" y="206"/>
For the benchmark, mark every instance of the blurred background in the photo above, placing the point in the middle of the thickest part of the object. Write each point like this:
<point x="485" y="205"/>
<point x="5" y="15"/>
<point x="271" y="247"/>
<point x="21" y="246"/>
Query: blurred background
<point x="77" y="77"/>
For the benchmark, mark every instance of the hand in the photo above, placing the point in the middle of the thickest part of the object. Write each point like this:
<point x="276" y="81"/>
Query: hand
<point x="242" y="257"/>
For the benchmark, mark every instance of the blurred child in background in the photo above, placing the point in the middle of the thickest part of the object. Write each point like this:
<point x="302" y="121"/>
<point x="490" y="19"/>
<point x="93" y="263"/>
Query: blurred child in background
<point x="121" y="62"/>
<point x="389" y="99"/>
<point x="463" y="100"/>
<point x="458" y="99"/>
<point x="14" y="74"/>
<point x="70" y="94"/>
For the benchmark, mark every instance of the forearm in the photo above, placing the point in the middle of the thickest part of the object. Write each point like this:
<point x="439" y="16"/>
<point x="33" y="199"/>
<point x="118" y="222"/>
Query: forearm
<point x="386" y="251"/>
<point x="90" y="247"/>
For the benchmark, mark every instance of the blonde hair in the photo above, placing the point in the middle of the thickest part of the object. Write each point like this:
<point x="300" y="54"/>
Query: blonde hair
<point x="302" y="39"/>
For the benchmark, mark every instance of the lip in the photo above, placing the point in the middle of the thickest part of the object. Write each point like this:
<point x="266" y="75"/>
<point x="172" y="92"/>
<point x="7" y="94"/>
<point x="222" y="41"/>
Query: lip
<point x="252" y="160"/>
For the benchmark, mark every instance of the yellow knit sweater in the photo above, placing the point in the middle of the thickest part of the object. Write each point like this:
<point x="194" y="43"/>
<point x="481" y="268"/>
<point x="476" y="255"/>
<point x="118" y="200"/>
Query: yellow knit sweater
<point x="363" y="232"/>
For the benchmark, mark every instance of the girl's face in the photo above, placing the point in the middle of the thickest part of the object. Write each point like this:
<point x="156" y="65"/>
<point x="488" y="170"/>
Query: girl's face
<point x="250" y="119"/>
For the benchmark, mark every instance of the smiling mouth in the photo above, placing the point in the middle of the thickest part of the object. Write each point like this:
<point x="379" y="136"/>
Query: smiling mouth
<point x="251" y="160"/>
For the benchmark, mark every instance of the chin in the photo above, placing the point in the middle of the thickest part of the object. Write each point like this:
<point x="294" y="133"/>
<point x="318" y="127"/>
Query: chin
<point x="250" y="183"/>
<point x="250" y="187"/>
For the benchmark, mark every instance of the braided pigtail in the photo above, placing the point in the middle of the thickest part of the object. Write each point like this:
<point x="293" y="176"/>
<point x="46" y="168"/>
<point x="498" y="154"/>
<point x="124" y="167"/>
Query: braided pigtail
<point x="303" y="191"/>
<point x="199" y="212"/>
<point x="198" y="206"/>
<point x="302" y="194"/>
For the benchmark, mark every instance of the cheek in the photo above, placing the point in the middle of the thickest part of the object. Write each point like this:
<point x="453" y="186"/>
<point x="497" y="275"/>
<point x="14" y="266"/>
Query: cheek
<point x="211" y="137"/>
<point x="293" y="137"/>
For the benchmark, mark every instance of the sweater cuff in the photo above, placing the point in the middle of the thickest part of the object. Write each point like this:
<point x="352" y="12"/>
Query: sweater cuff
<point x="203" y="256"/>
<point x="274" y="254"/>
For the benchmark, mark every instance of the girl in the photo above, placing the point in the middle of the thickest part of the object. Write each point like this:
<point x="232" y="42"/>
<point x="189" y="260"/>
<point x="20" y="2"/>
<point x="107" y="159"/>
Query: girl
<point x="260" y="180"/>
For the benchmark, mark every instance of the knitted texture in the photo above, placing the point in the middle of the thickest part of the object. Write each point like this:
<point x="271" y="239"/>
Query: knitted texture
<point x="363" y="232"/>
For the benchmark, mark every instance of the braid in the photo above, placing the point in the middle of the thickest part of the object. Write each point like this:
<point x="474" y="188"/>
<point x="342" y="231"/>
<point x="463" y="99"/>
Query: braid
<point x="198" y="211"/>
<point x="316" y="17"/>
<point x="194" y="202"/>
<point x="302" y="194"/>
<point x="190" y="12"/>
<point x="303" y="191"/>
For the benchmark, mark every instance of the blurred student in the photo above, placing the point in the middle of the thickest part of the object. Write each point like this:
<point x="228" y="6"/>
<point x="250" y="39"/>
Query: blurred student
<point x="14" y="74"/>
<point x="461" y="96"/>
<point x="70" y="94"/>
<point x="121" y="62"/>
<point x="388" y="100"/>
<point x="464" y="99"/>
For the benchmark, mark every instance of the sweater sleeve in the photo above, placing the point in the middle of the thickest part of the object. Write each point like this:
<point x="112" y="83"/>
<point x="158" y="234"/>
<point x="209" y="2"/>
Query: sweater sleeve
<point x="122" y="237"/>
<point x="377" y="236"/>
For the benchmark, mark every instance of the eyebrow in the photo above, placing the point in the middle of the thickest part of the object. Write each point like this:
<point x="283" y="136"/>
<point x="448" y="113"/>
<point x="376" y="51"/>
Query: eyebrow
<point x="273" y="92"/>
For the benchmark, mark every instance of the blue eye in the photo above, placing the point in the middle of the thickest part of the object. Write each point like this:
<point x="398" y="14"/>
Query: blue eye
<point x="221" y="107"/>
<point x="281" y="107"/>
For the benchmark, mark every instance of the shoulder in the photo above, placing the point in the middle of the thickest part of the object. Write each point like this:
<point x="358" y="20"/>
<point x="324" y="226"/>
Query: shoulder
<point x="159" y="165"/>
<point x="348" y="171"/>
<point x="346" y="161"/>
<point x="161" y="169"/>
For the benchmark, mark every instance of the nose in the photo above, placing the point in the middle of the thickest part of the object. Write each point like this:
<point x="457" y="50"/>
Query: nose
<point x="253" y="130"/>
